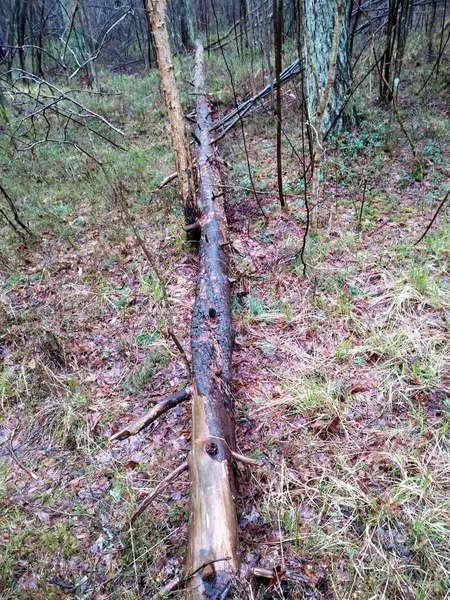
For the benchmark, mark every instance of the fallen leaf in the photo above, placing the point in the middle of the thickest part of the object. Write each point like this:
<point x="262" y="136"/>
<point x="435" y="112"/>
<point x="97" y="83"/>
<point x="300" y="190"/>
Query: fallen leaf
<point x="131" y="464"/>
<point x="360" y="386"/>
<point x="43" y="517"/>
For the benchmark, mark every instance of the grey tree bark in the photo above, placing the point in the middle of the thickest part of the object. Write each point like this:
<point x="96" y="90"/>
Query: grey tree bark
<point x="320" y="20"/>
<point x="157" y="9"/>
<point x="186" y="26"/>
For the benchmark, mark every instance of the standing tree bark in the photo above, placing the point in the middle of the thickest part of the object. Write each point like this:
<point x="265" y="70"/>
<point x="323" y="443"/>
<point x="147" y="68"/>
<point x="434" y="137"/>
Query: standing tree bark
<point x="21" y="26"/>
<point x="328" y="76"/>
<point x="387" y="58"/>
<point x="150" y="48"/>
<point x="277" y="34"/>
<point x="186" y="26"/>
<point x="72" y="13"/>
<point x="157" y="9"/>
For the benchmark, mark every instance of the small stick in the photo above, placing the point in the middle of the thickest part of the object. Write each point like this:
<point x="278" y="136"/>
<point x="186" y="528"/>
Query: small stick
<point x="169" y="587"/>
<point x="173" y="584"/>
<point x="273" y="573"/>
<point x="246" y="460"/>
<point x="17" y="461"/>
<point x="363" y="201"/>
<point x="433" y="219"/>
<point x="156" y="411"/>
<point x="210" y="562"/>
<point x="168" y="179"/>
<point x="159" y="488"/>
<point x="195" y="225"/>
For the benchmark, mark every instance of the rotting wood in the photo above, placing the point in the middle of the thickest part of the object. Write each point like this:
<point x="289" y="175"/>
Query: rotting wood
<point x="213" y="556"/>
<point x="149" y="417"/>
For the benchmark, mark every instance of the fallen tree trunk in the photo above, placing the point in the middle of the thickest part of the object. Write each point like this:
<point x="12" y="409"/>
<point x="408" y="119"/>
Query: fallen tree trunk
<point x="213" y="544"/>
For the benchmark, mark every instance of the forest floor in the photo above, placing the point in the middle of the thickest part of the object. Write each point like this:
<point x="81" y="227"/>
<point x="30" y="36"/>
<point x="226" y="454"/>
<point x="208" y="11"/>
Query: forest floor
<point x="341" y="377"/>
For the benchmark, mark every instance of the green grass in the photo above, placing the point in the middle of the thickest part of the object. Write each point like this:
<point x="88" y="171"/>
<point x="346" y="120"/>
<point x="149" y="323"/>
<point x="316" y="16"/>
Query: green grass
<point x="154" y="361"/>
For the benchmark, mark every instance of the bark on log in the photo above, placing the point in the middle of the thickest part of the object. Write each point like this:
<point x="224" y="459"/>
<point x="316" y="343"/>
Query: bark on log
<point x="213" y="545"/>
<point x="157" y="9"/>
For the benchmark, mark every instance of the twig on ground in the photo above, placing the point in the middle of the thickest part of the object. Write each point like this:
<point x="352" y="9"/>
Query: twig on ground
<point x="14" y="211"/>
<point x="433" y="218"/>
<point x="159" y="488"/>
<point x="171" y="586"/>
<point x="245" y="460"/>
<point x="206" y="564"/>
<point x="168" y="179"/>
<point x="16" y="460"/>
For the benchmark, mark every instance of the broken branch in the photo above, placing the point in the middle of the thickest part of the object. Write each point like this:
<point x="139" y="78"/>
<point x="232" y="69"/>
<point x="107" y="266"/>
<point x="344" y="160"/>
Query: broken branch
<point x="159" y="488"/>
<point x="154" y="413"/>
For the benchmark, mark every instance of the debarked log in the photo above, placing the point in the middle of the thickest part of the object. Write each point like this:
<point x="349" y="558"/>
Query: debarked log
<point x="213" y="556"/>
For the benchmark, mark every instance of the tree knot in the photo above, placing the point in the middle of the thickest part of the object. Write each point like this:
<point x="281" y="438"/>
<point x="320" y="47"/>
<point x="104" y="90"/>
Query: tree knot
<point x="211" y="449"/>
<point x="209" y="573"/>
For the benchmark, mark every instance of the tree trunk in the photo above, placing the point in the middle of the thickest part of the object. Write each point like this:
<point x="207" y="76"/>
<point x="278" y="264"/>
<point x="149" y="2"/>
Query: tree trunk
<point x="324" y="90"/>
<point x="186" y="26"/>
<point x="277" y="35"/>
<point x="407" y="8"/>
<point x="39" y="50"/>
<point x="213" y="544"/>
<point x="157" y="9"/>
<point x="430" y="28"/>
<point x="266" y="51"/>
<point x="387" y="58"/>
<point x="319" y="25"/>
<point x="90" y="45"/>
<point x="150" y="48"/>
<point x="72" y="13"/>
<point x="21" y="26"/>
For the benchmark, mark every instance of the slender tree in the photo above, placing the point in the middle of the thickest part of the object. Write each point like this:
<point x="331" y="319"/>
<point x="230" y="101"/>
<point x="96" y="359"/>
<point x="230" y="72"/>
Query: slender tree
<point x="180" y="144"/>
<point x="186" y="25"/>
<point x="278" y="29"/>
<point x="388" y="56"/>
<point x="325" y="33"/>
